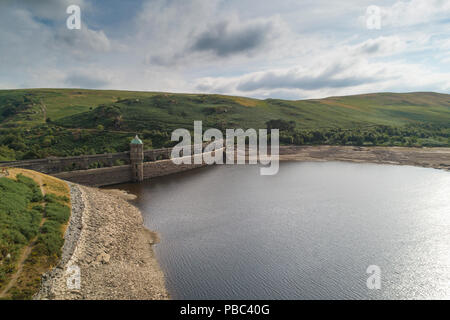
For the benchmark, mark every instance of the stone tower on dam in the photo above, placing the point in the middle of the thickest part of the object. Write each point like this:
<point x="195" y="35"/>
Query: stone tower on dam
<point x="137" y="159"/>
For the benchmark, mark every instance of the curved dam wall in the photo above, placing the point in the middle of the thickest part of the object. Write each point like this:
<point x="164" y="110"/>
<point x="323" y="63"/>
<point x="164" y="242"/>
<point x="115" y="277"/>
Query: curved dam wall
<point x="121" y="174"/>
<point x="134" y="165"/>
<point x="56" y="165"/>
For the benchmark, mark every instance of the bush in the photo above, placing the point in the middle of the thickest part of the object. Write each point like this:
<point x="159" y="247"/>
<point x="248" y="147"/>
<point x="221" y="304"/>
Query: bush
<point x="18" y="223"/>
<point x="7" y="154"/>
<point x="50" y="244"/>
<point x="51" y="226"/>
<point x="51" y="239"/>
<point x="38" y="208"/>
<point x="36" y="191"/>
<point x="57" y="212"/>
<point x="52" y="198"/>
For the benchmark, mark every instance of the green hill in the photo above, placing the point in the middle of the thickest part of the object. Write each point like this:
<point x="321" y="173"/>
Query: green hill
<point x="42" y="122"/>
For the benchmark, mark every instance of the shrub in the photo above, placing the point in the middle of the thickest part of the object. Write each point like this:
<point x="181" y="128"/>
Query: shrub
<point x="50" y="244"/>
<point x="38" y="208"/>
<point x="36" y="191"/>
<point x="57" y="212"/>
<point x="51" y="226"/>
<point x="52" y="198"/>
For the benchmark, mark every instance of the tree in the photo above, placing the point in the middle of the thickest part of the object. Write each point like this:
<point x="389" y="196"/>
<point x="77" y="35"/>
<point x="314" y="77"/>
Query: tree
<point x="7" y="154"/>
<point x="283" y="125"/>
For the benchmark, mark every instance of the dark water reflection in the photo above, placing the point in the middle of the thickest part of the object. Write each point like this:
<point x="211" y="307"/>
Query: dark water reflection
<point x="309" y="232"/>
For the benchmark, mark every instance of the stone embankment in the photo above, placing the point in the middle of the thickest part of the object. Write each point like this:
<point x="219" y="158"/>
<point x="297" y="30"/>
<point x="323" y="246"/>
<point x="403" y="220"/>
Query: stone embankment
<point x="107" y="241"/>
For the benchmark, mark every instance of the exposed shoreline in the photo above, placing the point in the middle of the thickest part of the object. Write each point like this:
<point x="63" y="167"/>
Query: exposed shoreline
<point x="438" y="158"/>
<point x="107" y="240"/>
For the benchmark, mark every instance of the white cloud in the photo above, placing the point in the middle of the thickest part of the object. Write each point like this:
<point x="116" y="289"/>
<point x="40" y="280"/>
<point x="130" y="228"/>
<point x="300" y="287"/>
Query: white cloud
<point x="47" y="9"/>
<point x="407" y="13"/>
<point x="81" y="43"/>
<point x="381" y="46"/>
<point x="410" y="13"/>
<point x="293" y="49"/>
<point x="341" y="75"/>
<point x="183" y="34"/>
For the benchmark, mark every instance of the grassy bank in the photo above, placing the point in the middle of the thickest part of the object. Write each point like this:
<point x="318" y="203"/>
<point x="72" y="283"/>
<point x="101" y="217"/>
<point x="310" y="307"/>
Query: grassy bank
<point x="33" y="214"/>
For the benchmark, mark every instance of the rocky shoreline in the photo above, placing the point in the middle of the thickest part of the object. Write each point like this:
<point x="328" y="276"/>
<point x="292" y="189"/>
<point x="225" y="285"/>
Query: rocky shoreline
<point x="438" y="158"/>
<point x="107" y="242"/>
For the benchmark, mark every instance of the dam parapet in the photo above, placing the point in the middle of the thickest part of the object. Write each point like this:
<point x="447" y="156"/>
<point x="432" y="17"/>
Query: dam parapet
<point x="130" y="166"/>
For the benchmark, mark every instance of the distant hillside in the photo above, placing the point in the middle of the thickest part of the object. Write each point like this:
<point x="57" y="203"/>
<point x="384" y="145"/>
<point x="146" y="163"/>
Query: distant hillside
<point x="149" y="109"/>
<point x="76" y="121"/>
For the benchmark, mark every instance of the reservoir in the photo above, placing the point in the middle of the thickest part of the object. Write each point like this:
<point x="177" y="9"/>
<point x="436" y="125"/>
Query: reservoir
<point x="309" y="232"/>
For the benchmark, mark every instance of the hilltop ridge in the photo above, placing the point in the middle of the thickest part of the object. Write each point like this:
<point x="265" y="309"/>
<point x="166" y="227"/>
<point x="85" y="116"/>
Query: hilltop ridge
<point x="36" y="123"/>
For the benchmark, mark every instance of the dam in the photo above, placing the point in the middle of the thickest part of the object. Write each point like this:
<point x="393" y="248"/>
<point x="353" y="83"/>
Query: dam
<point x="131" y="166"/>
<point x="139" y="164"/>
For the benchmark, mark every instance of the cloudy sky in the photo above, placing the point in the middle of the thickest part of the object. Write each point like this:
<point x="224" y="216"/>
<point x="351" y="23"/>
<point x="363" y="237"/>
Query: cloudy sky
<point x="293" y="49"/>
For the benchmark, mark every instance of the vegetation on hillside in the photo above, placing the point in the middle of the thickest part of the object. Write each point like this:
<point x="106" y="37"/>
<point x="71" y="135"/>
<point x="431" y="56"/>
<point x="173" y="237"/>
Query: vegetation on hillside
<point x="29" y="220"/>
<point x="20" y="215"/>
<point x="39" y="123"/>
<point x="408" y="135"/>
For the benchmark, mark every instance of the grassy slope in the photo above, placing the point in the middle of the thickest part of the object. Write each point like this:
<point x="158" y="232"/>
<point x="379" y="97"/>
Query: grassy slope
<point x="72" y="108"/>
<point x="25" y="135"/>
<point x="30" y="239"/>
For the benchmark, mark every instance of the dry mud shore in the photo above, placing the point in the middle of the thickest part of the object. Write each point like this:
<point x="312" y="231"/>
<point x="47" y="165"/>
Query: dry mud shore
<point x="438" y="158"/>
<point x="107" y="241"/>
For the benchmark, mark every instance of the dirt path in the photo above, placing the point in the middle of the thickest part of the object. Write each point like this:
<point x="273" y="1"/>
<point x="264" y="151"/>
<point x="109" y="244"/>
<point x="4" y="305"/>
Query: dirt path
<point x="96" y="130"/>
<point x="44" y="111"/>
<point x="26" y="252"/>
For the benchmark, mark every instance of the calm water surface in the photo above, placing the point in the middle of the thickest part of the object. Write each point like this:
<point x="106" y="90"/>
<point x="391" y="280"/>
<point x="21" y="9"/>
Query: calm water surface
<point x="309" y="232"/>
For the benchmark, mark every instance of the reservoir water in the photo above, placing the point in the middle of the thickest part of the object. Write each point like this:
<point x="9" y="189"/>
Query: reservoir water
<point x="309" y="232"/>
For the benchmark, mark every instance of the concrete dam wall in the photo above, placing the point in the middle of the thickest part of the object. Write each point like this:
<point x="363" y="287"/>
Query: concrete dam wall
<point x="121" y="174"/>
<point x="133" y="165"/>
<point x="56" y="165"/>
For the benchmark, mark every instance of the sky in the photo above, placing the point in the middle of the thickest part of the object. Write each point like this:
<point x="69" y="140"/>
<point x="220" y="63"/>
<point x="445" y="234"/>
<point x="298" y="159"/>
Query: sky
<point x="288" y="49"/>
